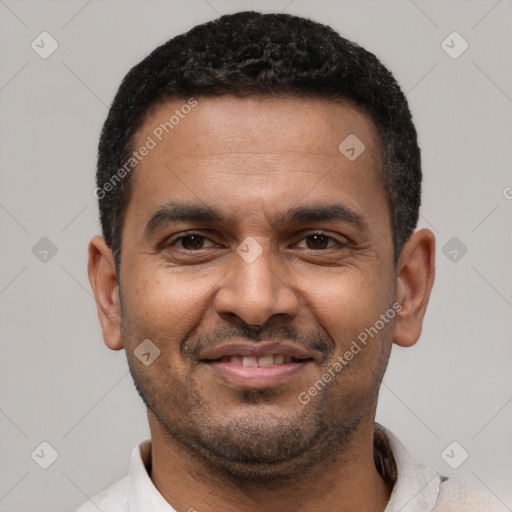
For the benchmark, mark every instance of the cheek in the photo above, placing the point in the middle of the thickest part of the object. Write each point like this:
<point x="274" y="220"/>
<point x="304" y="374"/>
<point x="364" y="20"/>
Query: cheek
<point x="167" y="296"/>
<point x="347" y="308"/>
<point x="163" y="306"/>
<point x="349" y="302"/>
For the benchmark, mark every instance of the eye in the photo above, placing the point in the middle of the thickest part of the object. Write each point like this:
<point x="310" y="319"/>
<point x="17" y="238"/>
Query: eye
<point x="195" y="242"/>
<point x="189" y="242"/>
<point x="320" y="241"/>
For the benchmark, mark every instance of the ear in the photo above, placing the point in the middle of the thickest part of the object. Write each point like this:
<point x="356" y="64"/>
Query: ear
<point x="415" y="277"/>
<point x="103" y="279"/>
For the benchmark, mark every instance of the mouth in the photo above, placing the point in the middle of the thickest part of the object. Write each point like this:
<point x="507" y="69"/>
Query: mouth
<point x="257" y="366"/>
<point x="258" y="362"/>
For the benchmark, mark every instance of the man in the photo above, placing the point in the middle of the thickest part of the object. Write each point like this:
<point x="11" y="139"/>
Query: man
<point x="259" y="185"/>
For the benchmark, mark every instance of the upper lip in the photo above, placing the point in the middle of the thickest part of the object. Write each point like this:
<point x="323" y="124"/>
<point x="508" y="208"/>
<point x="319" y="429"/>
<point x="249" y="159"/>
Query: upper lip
<point x="255" y="349"/>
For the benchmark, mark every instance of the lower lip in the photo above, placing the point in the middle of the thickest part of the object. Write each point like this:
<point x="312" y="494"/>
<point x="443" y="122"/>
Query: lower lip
<point x="260" y="377"/>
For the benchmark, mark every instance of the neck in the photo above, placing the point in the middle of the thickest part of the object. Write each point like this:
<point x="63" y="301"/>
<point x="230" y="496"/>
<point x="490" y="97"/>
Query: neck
<point x="350" y="482"/>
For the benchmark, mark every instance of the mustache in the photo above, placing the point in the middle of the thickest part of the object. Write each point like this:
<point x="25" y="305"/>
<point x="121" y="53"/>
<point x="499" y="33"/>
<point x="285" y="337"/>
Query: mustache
<point x="193" y="344"/>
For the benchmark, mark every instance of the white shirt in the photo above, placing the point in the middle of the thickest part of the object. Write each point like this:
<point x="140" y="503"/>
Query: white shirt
<point x="417" y="488"/>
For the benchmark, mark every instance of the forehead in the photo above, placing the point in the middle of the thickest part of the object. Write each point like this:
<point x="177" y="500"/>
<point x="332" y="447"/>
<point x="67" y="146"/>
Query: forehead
<point x="256" y="154"/>
<point x="257" y="124"/>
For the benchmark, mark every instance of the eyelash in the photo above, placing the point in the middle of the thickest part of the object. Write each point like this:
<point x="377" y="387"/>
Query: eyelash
<point x="169" y="243"/>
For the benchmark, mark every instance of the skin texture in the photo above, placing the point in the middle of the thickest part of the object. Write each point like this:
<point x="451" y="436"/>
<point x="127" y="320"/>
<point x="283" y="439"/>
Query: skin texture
<point x="221" y="446"/>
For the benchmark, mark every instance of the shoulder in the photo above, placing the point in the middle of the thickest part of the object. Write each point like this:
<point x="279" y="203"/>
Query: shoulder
<point x="460" y="497"/>
<point x="112" y="499"/>
<point x="418" y="487"/>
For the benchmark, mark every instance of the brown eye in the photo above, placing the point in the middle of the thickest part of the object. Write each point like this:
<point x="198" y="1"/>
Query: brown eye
<point x="318" y="241"/>
<point x="192" y="242"/>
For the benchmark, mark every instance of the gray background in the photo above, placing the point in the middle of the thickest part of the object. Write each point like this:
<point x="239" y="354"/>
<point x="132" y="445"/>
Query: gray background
<point x="60" y="384"/>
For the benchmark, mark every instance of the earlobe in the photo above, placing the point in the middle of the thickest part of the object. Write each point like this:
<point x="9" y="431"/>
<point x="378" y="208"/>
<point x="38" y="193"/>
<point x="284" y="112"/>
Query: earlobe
<point x="102" y="276"/>
<point x="415" y="278"/>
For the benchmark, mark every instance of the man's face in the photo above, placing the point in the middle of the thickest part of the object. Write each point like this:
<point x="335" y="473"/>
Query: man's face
<point x="267" y="283"/>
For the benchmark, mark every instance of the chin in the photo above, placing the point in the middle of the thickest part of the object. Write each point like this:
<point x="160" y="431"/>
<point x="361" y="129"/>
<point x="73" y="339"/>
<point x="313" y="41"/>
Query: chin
<point x="266" y="448"/>
<point x="271" y="459"/>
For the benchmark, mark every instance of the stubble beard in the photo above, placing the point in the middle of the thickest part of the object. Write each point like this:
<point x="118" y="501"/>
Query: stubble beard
<point x="260" y="451"/>
<point x="248" y="451"/>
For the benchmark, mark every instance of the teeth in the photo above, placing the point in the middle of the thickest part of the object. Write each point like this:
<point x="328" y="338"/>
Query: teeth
<point x="254" y="362"/>
<point x="265" y="361"/>
<point x="250" y="362"/>
<point x="238" y="360"/>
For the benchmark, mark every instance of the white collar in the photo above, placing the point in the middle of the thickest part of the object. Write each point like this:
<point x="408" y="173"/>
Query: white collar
<point x="142" y="493"/>
<point x="417" y="487"/>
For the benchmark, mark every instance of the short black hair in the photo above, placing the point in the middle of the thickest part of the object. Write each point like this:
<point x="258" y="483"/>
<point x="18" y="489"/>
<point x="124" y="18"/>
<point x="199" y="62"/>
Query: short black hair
<point x="250" y="53"/>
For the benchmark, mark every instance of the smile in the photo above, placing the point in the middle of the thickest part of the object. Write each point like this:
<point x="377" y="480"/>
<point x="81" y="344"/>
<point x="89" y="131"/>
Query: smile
<point x="260" y="365"/>
<point x="246" y="372"/>
<point x="262" y="362"/>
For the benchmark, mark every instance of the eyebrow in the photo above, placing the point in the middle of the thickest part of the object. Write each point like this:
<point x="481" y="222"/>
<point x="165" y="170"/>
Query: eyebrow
<point x="176" y="212"/>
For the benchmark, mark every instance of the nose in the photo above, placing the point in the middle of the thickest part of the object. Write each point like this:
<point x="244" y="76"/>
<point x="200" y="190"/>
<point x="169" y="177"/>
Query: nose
<point x="255" y="291"/>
